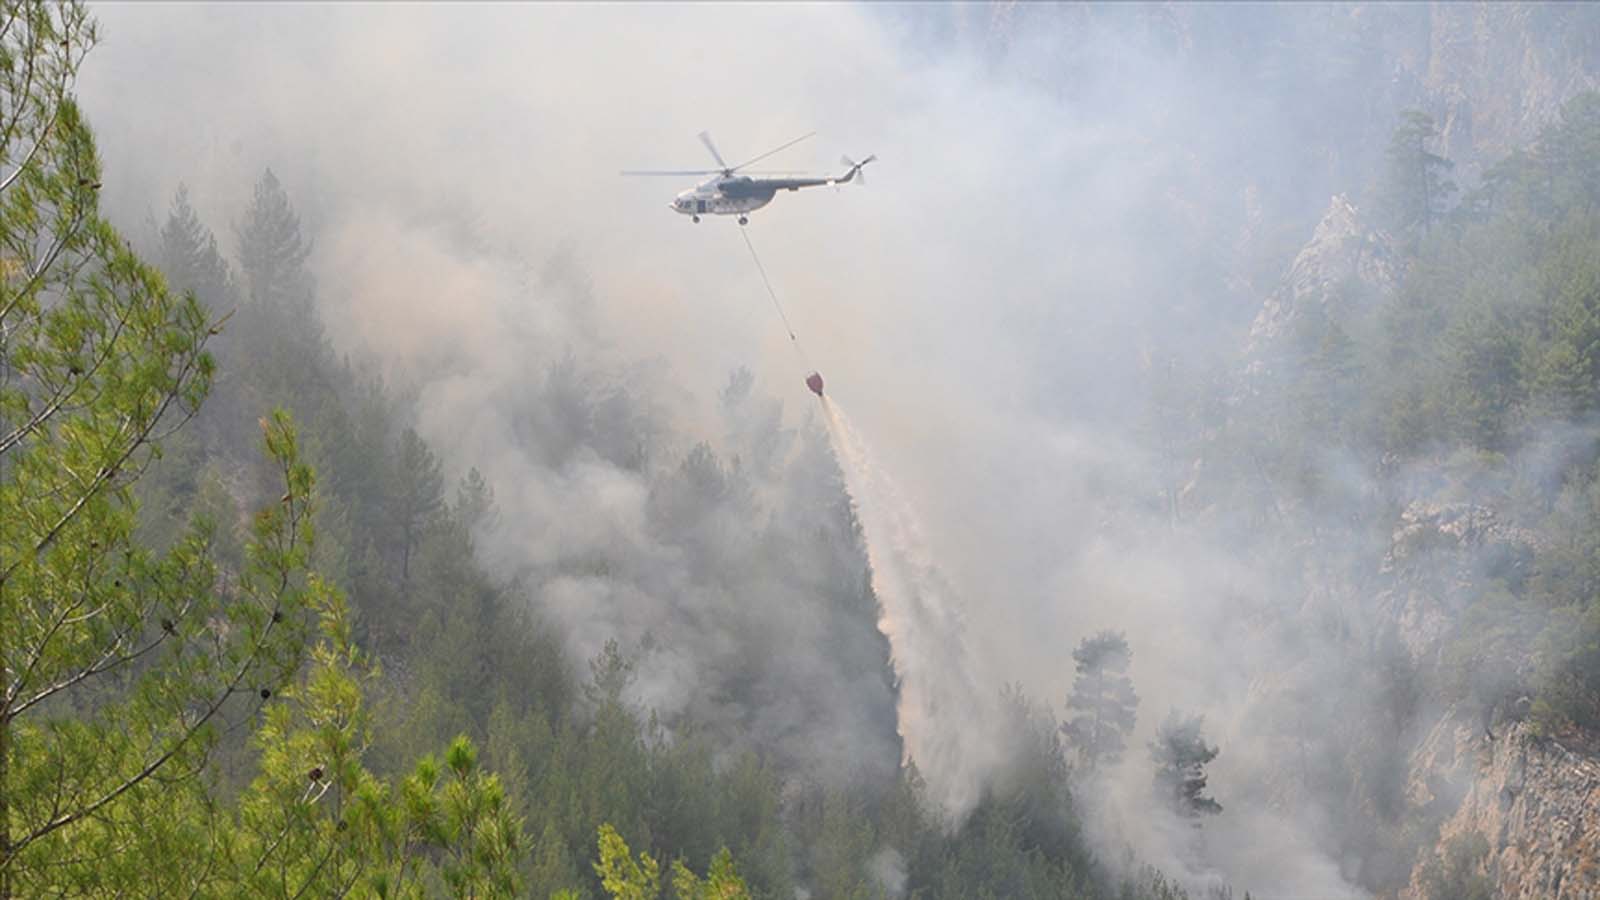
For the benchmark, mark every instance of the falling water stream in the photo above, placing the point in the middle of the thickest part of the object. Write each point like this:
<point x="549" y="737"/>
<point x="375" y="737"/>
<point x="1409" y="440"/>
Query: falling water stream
<point x="941" y="708"/>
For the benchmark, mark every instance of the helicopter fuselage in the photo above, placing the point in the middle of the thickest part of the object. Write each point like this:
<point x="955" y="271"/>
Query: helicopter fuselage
<point x="724" y="197"/>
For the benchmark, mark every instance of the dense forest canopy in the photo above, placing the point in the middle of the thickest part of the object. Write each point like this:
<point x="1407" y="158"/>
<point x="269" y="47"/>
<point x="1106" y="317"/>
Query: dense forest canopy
<point x="458" y="529"/>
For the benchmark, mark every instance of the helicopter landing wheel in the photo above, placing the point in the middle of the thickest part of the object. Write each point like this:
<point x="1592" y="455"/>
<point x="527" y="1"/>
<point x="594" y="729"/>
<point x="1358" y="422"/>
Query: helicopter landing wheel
<point x="743" y="220"/>
<point x="695" y="219"/>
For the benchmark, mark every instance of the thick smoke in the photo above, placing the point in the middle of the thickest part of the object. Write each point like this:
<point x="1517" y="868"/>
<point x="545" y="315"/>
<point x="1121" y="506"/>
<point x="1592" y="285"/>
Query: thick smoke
<point x="888" y="867"/>
<point x="1076" y="209"/>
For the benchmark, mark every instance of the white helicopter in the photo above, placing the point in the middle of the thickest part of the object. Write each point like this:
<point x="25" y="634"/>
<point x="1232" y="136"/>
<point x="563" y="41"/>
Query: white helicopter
<point x="735" y="195"/>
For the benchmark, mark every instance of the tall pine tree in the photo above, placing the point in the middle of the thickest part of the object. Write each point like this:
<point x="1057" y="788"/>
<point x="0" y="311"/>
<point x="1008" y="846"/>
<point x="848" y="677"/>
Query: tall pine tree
<point x="115" y="661"/>
<point x="1415" y="187"/>
<point x="188" y="256"/>
<point x="272" y="251"/>
<point x="417" y="498"/>
<point x="1103" y="697"/>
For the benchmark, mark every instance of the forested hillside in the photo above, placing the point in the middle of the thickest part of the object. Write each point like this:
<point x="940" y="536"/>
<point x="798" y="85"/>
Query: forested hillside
<point x="251" y="649"/>
<point x="1466" y="376"/>
<point x="1414" y="425"/>
<point x="288" y="612"/>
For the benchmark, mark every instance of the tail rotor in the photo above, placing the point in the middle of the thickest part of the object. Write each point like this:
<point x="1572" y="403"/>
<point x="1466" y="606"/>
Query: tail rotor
<point x="855" y="168"/>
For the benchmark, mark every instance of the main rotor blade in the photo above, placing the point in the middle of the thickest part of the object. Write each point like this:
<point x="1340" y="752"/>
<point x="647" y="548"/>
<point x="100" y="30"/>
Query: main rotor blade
<point x="675" y="173"/>
<point x="770" y="152"/>
<point x="705" y="138"/>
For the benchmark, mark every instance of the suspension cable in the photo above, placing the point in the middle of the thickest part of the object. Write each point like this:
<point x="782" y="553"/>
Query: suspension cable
<point x="744" y="232"/>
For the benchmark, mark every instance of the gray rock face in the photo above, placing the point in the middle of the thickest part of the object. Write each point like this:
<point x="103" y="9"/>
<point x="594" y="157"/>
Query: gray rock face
<point x="1535" y="801"/>
<point x="1495" y="73"/>
<point x="1461" y="526"/>
<point x="1343" y="261"/>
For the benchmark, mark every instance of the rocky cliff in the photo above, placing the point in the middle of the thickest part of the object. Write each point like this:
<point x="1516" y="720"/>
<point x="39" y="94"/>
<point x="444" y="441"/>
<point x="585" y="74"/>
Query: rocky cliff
<point x="1493" y="74"/>
<point x="1534" y="801"/>
<point x="1346" y="262"/>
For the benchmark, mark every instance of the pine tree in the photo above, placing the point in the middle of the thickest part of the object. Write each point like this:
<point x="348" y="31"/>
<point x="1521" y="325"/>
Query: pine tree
<point x="117" y="661"/>
<point x="1415" y="185"/>
<point x="1566" y="370"/>
<point x="474" y="506"/>
<point x="418" y="497"/>
<point x="272" y="252"/>
<point x="1570" y="150"/>
<point x="1180" y="754"/>
<point x="623" y="877"/>
<point x="317" y="822"/>
<point x="841" y="847"/>
<point x="188" y="256"/>
<point x="1103" y="695"/>
<point x="722" y="881"/>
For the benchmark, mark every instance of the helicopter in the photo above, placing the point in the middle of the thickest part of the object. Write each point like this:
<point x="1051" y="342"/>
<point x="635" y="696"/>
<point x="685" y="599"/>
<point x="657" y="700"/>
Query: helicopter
<point x="729" y="194"/>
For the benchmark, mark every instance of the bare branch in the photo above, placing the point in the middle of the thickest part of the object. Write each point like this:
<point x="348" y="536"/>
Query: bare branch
<point x="26" y="160"/>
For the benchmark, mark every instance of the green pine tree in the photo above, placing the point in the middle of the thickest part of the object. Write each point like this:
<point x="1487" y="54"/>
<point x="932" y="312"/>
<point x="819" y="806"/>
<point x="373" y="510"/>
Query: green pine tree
<point x="188" y="256"/>
<point x="118" y="662"/>
<point x="1415" y="188"/>
<point x="272" y="251"/>
<point x="1103" y="696"/>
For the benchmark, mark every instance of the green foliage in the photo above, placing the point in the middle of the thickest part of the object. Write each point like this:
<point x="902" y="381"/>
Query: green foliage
<point x="272" y="250"/>
<point x="316" y="821"/>
<point x="1458" y="876"/>
<point x="1023" y="837"/>
<point x="841" y="848"/>
<point x="626" y="878"/>
<point x="189" y="257"/>
<point x="722" y="881"/>
<point x="1497" y="328"/>
<point x="463" y="811"/>
<point x="1573" y="146"/>
<point x="123" y="662"/>
<point x="1474" y="383"/>
<point x="418" y="496"/>
<point x="1033" y="786"/>
<point x="1568" y="678"/>
<point x="487" y="665"/>
<point x="1103" y="694"/>
<point x="1498" y="335"/>
<point x="623" y="877"/>
<point x="294" y="833"/>
<point x="1481" y="665"/>
<point x="1415" y="188"/>
<point x="119" y="661"/>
